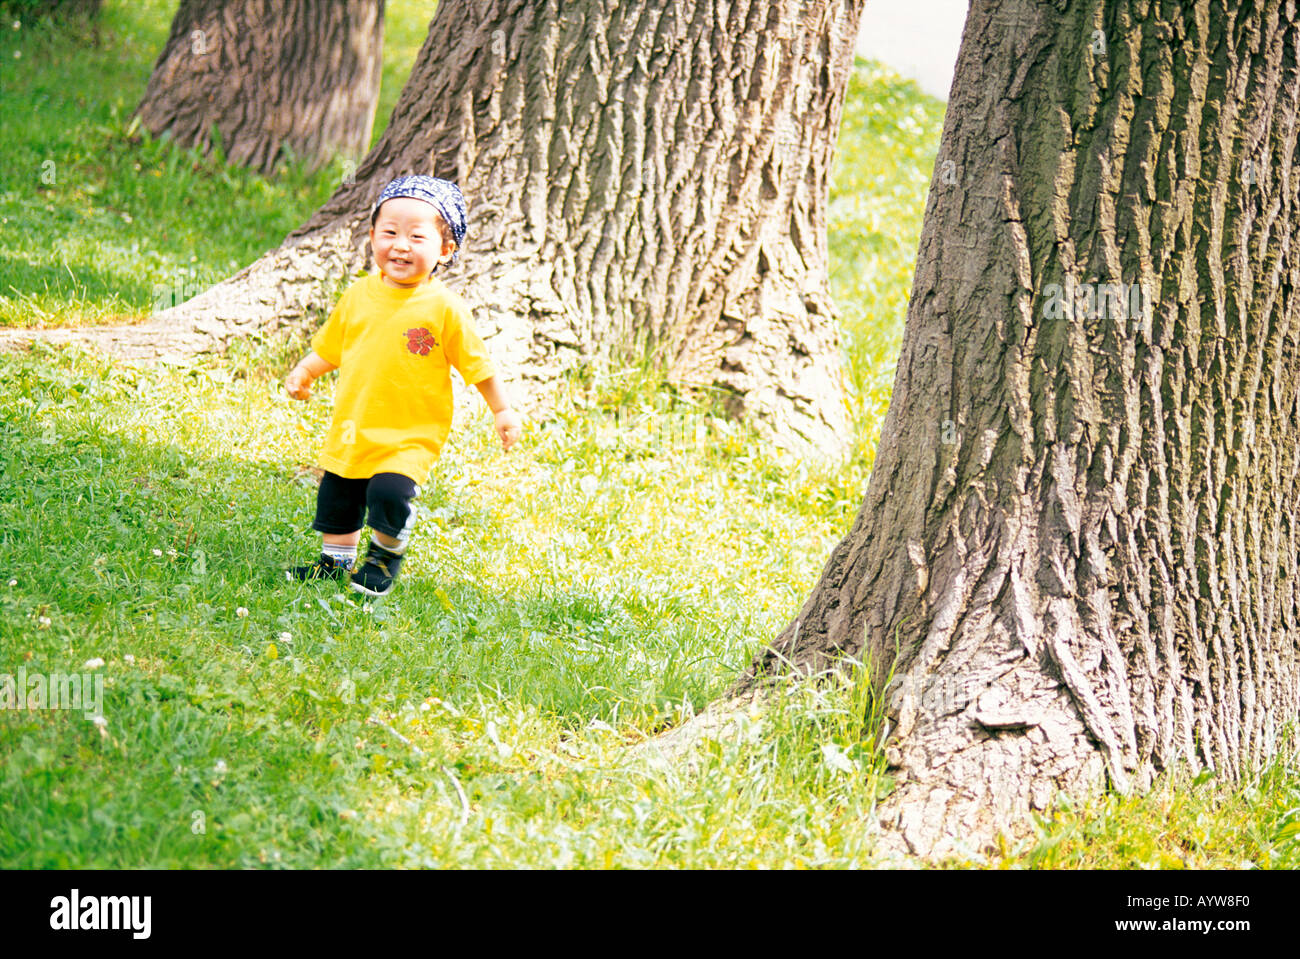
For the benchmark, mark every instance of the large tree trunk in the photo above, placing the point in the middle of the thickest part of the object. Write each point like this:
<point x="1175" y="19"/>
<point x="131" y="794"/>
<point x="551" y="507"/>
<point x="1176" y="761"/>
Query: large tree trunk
<point x="269" y="76"/>
<point x="1078" y="550"/>
<point x="644" y="180"/>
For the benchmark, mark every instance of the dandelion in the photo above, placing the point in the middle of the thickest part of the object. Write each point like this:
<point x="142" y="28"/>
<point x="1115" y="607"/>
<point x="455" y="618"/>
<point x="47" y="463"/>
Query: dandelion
<point x="271" y="651"/>
<point x="241" y="612"/>
<point x="93" y="663"/>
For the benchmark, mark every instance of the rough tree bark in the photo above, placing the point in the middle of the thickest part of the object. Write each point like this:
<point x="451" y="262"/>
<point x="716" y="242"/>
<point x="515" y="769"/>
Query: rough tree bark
<point x="1077" y="554"/>
<point x="268" y="76"/>
<point x="643" y="179"/>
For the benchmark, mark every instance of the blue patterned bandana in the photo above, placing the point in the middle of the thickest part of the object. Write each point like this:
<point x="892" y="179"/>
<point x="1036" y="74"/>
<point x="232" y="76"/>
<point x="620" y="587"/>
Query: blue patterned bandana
<point x="443" y="195"/>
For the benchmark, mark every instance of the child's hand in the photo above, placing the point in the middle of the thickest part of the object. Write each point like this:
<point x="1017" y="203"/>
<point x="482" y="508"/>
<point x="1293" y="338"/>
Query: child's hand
<point x="509" y="427"/>
<point x="298" y="383"/>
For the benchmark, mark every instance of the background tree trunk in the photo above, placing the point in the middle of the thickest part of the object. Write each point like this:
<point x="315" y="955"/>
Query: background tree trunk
<point x="1077" y="555"/>
<point x="266" y="76"/>
<point x="643" y="180"/>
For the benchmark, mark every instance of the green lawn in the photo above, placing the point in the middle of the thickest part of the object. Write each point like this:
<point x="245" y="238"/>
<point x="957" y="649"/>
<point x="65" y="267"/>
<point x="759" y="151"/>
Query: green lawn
<point x="561" y="603"/>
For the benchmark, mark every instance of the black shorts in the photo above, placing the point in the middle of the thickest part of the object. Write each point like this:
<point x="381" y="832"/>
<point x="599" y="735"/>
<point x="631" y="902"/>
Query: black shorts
<point x="342" y="504"/>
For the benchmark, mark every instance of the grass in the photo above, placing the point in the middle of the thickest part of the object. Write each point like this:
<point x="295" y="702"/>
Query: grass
<point x="561" y="609"/>
<point x="561" y="604"/>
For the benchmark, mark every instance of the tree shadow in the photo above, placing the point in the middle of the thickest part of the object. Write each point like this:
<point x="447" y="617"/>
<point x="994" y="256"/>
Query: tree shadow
<point x="74" y="286"/>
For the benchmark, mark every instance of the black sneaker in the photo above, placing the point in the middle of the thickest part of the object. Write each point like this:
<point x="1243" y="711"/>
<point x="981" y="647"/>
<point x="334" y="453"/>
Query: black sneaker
<point x="327" y="567"/>
<point x="376" y="575"/>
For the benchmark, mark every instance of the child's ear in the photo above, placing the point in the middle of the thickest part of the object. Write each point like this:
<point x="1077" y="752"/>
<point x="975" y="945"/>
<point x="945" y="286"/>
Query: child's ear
<point x="448" y="249"/>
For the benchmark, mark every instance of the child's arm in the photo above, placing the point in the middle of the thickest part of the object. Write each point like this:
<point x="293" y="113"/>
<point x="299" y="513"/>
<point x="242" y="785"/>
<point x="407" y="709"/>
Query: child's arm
<point x="509" y="427"/>
<point x="298" y="383"/>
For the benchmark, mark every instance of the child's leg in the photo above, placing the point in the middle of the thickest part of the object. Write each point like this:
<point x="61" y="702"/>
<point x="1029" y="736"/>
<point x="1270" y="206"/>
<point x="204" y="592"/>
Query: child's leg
<point x="340" y="507"/>
<point x="391" y="516"/>
<point x="390" y="509"/>
<point x="344" y="540"/>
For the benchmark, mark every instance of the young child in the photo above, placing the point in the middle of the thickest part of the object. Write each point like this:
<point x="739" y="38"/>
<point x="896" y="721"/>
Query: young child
<point x="393" y="336"/>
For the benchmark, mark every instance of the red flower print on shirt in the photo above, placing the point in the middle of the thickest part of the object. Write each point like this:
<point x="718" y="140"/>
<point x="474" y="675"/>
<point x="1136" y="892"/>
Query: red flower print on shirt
<point x="420" y="341"/>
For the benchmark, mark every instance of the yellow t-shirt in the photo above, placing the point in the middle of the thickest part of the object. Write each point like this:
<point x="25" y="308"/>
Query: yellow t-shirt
<point x="394" y="349"/>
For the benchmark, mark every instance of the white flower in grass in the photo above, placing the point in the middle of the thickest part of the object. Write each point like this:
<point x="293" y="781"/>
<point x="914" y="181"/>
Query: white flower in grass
<point x="219" y="767"/>
<point x="286" y="638"/>
<point x="44" y="621"/>
<point x="241" y="612"/>
<point x="157" y="552"/>
<point x="93" y="663"/>
<point x="837" y="759"/>
<point x="13" y="582"/>
<point x="102" y="724"/>
<point x="128" y="658"/>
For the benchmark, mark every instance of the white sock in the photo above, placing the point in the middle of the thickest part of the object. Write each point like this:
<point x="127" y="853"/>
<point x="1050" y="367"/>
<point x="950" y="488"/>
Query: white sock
<point x="399" y="549"/>
<point x="344" y="555"/>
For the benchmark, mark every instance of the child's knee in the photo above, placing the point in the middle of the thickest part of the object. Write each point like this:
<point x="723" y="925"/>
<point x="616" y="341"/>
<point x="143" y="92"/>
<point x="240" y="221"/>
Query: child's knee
<point x="389" y="504"/>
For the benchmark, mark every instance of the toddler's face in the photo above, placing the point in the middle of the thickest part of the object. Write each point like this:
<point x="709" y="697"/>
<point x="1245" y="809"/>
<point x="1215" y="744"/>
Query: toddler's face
<point x="407" y="241"/>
